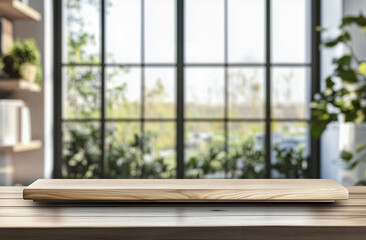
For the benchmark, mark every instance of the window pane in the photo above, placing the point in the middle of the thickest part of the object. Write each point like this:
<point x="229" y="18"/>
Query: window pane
<point x="290" y="34"/>
<point x="159" y="153"/>
<point x="81" y="154"/>
<point x="246" y="29"/>
<point x="123" y="95"/>
<point x="246" y="92"/>
<point x="204" y="150"/>
<point x="123" y="149"/>
<point x="290" y="150"/>
<point x="81" y="92"/>
<point x="81" y="31"/>
<point x="246" y="150"/>
<point x="123" y="31"/>
<point x="290" y="93"/>
<point x="204" y="31"/>
<point x="159" y="92"/>
<point x="160" y="31"/>
<point x="204" y="93"/>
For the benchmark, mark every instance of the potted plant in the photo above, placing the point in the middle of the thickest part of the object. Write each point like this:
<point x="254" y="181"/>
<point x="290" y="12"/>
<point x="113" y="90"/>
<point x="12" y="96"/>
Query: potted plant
<point x="23" y="61"/>
<point x="345" y="93"/>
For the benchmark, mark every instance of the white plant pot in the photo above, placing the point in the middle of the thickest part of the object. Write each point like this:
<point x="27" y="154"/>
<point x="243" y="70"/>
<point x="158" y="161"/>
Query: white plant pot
<point x="352" y="135"/>
<point x="29" y="72"/>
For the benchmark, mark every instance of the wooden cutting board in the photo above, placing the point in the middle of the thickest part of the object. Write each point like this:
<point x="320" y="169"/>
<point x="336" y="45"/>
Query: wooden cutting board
<point x="186" y="190"/>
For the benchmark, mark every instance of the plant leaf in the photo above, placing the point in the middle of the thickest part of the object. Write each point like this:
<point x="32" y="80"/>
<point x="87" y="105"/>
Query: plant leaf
<point x="351" y="166"/>
<point x="344" y="61"/>
<point x="360" y="21"/>
<point x="329" y="82"/>
<point x="342" y="38"/>
<point x="361" y="147"/>
<point x="346" y="156"/>
<point x="362" y="68"/>
<point x="349" y="75"/>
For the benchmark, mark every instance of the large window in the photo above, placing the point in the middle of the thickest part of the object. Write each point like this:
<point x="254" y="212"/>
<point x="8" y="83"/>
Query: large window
<point x="184" y="88"/>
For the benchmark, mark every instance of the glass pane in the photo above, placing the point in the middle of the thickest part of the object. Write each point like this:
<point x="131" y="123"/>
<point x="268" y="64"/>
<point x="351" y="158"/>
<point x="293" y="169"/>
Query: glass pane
<point x="246" y="29"/>
<point x="159" y="92"/>
<point x="160" y="31"/>
<point x="123" y="149"/>
<point x="204" y="150"/>
<point x="81" y="41"/>
<point x="159" y="150"/>
<point x="246" y="93"/>
<point x="81" y="92"/>
<point x="246" y="150"/>
<point x="290" y="150"/>
<point x="204" y="92"/>
<point x="123" y="31"/>
<point x="204" y="31"/>
<point x="81" y="153"/>
<point x="123" y="95"/>
<point x="290" y="34"/>
<point x="290" y="93"/>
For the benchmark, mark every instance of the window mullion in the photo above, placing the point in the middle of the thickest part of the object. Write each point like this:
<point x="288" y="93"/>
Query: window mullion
<point x="226" y="127"/>
<point x="104" y="162"/>
<point x="142" y="123"/>
<point x="268" y="90"/>
<point x="315" y="83"/>
<point x="180" y="90"/>
<point x="57" y="89"/>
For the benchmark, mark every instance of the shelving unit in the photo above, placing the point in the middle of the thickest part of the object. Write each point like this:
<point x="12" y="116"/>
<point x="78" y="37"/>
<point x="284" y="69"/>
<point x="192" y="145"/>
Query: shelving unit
<point x="18" y="85"/>
<point x="14" y="10"/>
<point x="21" y="147"/>
<point x="11" y="10"/>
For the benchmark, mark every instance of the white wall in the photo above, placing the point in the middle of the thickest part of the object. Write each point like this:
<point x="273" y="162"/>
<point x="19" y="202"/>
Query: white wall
<point x="332" y="13"/>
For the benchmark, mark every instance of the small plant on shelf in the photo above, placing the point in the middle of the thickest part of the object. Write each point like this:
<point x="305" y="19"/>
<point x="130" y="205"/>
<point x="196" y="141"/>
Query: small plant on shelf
<point x="23" y="61"/>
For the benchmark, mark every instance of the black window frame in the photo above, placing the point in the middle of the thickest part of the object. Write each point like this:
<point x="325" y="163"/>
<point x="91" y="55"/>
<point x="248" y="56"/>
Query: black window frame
<point x="180" y="65"/>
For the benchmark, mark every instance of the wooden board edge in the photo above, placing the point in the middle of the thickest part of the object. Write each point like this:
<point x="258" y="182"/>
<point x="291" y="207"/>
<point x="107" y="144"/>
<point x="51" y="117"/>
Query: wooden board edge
<point x="36" y="193"/>
<point x="166" y="196"/>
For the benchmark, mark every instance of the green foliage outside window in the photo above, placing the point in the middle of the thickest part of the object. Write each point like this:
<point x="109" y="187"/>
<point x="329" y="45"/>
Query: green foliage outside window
<point x="291" y="162"/>
<point x="137" y="156"/>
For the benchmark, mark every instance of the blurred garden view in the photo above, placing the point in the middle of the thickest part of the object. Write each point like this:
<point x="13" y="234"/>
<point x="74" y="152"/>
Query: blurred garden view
<point x="224" y="106"/>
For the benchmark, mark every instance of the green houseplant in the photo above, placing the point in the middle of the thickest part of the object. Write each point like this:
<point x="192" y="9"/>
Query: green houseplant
<point x="23" y="61"/>
<point x="345" y="92"/>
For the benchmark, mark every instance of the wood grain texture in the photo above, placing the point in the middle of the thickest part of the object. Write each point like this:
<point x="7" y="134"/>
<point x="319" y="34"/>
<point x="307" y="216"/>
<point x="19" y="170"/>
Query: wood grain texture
<point x="186" y="190"/>
<point x="25" y="219"/>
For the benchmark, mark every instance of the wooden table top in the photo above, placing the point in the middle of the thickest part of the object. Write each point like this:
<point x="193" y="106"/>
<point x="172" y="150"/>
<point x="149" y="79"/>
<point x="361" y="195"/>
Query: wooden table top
<point x="159" y="220"/>
<point x="186" y="190"/>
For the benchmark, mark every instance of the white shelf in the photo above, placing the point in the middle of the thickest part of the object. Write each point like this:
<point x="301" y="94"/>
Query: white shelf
<point x="21" y="147"/>
<point x="14" y="10"/>
<point x="19" y="85"/>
